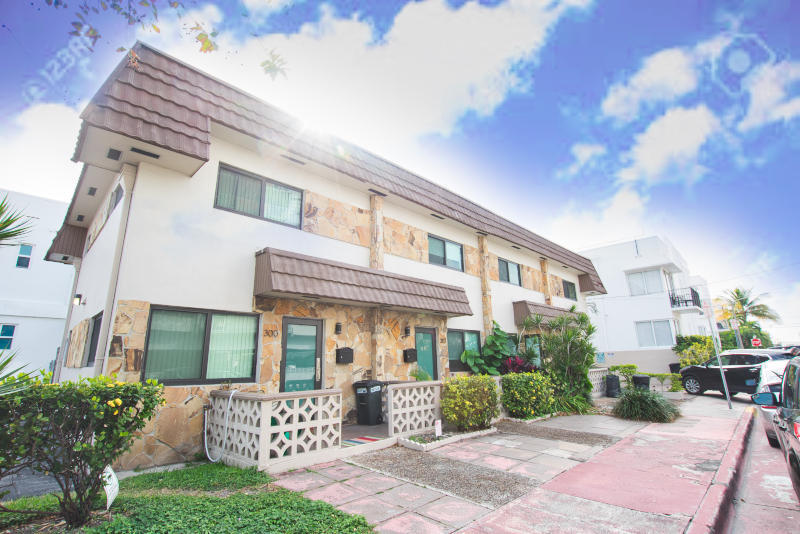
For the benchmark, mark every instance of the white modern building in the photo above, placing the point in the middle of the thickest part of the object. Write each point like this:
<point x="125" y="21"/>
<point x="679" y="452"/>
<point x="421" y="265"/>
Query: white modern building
<point x="34" y="293"/>
<point x="651" y="299"/>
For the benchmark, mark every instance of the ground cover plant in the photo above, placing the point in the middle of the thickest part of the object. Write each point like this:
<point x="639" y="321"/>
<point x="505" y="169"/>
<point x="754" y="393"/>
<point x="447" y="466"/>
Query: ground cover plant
<point x="469" y="402"/>
<point x="203" y="498"/>
<point x="72" y="431"/>
<point x="527" y="395"/>
<point x="644" y="405"/>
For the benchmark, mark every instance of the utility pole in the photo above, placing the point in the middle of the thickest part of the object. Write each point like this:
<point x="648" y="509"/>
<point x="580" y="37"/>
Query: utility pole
<point x="718" y="348"/>
<point x="735" y="326"/>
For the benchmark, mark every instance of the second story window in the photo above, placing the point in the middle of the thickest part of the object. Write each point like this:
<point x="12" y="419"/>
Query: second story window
<point x="509" y="272"/>
<point x="24" y="256"/>
<point x="645" y="282"/>
<point x="258" y="197"/>
<point x="569" y="290"/>
<point x="6" y="336"/>
<point x="444" y="252"/>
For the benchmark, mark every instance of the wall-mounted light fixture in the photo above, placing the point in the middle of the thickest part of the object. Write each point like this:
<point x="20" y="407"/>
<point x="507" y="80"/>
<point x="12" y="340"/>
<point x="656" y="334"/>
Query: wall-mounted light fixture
<point x="407" y="331"/>
<point x="337" y="328"/>
<point x="77" y="300"/>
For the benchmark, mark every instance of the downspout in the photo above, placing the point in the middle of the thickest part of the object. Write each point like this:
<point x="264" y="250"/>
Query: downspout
<point x="129" y="173"/>
<point x="65" y="335"/>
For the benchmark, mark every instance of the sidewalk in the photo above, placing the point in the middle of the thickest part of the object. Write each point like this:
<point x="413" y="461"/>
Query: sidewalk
<point x="566" y="474"/>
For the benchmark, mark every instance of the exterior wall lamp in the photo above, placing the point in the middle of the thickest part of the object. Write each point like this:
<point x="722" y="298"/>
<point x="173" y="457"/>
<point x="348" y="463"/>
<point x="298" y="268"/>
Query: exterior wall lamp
<point x="407" y="331"/>
<point x="337" y="329"/>
<point x="77" y="300"/>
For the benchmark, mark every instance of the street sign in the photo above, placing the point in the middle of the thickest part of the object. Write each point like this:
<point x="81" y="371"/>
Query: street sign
<point x="755" y="342"/>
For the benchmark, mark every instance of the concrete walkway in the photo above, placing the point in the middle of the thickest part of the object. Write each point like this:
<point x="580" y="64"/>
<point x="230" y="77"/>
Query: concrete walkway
<point x="765" y="500"/>
<point x="641" y="478"/>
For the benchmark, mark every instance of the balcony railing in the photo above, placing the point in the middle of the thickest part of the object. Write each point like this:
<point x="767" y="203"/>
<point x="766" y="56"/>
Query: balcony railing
<point x="688" y="297"/>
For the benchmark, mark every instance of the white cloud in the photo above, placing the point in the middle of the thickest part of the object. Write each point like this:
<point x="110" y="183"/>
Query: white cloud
<point x="266" y="5"/>
<point x="669" y="148"/>
<point x="38" y="144"/>
<point x="584" y="155"/>
<point x="663" y="77"/>
<point x="770" y="101"/>
<point x="434" y="65"/>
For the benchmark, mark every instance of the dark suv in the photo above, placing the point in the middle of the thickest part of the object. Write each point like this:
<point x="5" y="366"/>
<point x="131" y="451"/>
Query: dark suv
<point x="741" y="367"/>
<point x="787" y="419"/>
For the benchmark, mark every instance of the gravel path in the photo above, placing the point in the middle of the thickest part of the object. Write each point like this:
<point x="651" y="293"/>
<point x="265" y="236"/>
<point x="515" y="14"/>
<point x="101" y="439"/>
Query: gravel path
<point x="559" y="434"/>
<point x="475" y="483"/>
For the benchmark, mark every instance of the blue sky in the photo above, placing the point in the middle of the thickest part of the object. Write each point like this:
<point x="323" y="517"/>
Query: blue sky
<point x="588" y="122"/>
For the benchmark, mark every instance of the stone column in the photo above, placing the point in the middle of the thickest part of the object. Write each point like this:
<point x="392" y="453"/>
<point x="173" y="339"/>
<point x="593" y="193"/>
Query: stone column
<point x="376" y="232"/>
<point x="377" y="344"/>
<point x="548" y="292"/>
<point x="486" y="288"/>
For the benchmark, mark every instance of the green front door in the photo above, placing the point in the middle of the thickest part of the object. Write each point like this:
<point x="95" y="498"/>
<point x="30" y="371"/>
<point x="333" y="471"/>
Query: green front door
<point x="302" y="351"/>
<point x="426" y="350"/>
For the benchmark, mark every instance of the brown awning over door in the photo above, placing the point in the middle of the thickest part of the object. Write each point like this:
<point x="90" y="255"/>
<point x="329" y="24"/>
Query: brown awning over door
<point x="524" y="308"/>
<point x="280" y="271"/>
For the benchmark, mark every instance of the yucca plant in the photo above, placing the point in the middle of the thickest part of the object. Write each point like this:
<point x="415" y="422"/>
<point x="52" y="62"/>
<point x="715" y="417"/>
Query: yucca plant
<point x="13" y="224"/>
<point x="10" y="381"/>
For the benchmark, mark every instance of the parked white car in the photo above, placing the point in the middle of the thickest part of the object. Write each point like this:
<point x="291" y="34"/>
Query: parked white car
<point x="770" y="382"/>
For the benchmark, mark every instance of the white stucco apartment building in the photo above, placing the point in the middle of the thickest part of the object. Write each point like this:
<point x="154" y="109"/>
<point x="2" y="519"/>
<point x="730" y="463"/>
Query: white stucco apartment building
<point x="34" y="293"/>
<point x="651" y="299"/>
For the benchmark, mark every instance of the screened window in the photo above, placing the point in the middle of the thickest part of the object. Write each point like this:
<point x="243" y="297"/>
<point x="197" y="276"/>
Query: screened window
<point x="6" y="336"/>
<point x="654" y="334"/>
<point x="645" y="282"/>
<point x="459" y="341"/>
<point x="97" y="320"/>
<point x="444" y="252"/>
<point x="24" y="256"/>
<point x="509" y="272"/>
<point x="197" y="346"/>
<point x="258" y="197"/>
<point x="569" y="290"/>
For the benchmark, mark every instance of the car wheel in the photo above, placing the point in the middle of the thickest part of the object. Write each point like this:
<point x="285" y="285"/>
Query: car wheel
<point x="692" y="385"/>
<point x="774" y="442"/>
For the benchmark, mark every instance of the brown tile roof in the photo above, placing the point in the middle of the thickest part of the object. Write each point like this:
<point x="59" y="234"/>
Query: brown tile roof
<point x="69" y="241"/>
<point x="591" y="283"/>
<point x="524" y="308"/>
<point x="279" y="271"/>
<point x="171" y="105"/>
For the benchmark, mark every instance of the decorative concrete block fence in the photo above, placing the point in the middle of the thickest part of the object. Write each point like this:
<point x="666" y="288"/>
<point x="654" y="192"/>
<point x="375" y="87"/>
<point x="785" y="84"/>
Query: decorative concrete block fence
<point x="597" y="376"/>
<point x="413" y="406"/>
<point x="269" y="428"/>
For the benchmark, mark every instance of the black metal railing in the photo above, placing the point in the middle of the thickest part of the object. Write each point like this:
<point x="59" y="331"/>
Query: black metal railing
<point x="685" y="298"/>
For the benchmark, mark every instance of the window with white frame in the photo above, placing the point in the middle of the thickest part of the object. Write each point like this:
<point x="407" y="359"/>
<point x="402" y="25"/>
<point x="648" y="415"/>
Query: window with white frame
<point x="6" y="336"/>
<point x="654" y="333"/>
<point x="24" y="256"/>
<point x="645" y="282"/>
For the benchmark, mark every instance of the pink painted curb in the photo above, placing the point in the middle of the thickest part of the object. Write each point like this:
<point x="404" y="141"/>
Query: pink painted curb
<point x="712" y="514"/>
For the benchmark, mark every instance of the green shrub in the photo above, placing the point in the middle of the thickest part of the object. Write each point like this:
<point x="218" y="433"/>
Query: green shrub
<point x="697" y="353"/>
<point x="626" y="371"/>
<point x="643" y="405"/>
<point x="72" y="431"/>
<point x="469" y="402"/>
<point x="498" y="347"/>
<point x="676" y="382"/>
<point x="527" y="395"/>
<point x="684" y="342"/>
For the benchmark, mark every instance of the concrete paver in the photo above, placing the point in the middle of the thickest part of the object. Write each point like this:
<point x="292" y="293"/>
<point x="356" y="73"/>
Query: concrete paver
<point x="452" y="511"/>
<point x="302" y="481"/>
<point x="411" y="522"/>
<point x="335" y="494"/>
<point x="372" y="508"/>
<point x="409" y="496"/>
<point x="374" y="483"/>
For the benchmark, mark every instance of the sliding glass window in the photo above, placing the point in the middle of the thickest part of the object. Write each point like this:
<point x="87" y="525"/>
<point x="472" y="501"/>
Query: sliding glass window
<point x="257" y="196"/>
<point x="444" y="252"/>
<point x="509" y="272"/>
<point x="459" y="341"/>
<point x="191" y="346"/>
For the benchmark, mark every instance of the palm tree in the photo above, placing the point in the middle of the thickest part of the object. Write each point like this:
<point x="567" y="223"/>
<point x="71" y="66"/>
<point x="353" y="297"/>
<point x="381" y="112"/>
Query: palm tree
<point x="741" y="304"/>
<point x="13" y="224"/>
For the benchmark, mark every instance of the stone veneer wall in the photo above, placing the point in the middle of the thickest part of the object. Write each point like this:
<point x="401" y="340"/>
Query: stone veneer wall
<point x="175" y="433"/>
<point x="77" y="344"/>
<point x="331" y="218"/>
<point x="404" y="240"/>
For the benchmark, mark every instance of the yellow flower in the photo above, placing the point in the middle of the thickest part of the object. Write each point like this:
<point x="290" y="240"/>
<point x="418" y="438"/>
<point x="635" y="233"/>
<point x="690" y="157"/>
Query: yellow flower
<point x="116" y="412"/>
<point x="118" y="401"/>
<point x="109" y="385"/>
<point x="110" y="403"/>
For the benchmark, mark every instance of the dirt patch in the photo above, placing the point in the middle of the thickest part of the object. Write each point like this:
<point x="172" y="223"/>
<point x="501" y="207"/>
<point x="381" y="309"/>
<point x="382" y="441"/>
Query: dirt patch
<point x="559" y="434"/>
<point x="478" y="484"/>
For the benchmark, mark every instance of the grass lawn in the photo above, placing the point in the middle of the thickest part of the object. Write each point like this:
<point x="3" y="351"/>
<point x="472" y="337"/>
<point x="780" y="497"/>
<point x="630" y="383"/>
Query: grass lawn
<point x="210" y="498"/>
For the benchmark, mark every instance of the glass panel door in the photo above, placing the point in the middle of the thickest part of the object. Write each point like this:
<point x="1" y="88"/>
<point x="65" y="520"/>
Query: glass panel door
<point x="302" y="349"/>
<point x="426" y="350"/>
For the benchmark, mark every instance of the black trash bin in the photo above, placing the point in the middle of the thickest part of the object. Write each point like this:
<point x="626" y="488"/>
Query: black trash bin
<point x="612" y="386"/>
<point x="368" y="401"/>
<point x="674" y="368"/>
<point x="641" y="381"/>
